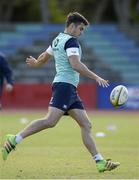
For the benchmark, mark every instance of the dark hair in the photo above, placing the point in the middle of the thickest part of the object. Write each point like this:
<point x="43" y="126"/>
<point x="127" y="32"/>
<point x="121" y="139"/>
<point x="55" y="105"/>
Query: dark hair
<point x="76" y="18"/>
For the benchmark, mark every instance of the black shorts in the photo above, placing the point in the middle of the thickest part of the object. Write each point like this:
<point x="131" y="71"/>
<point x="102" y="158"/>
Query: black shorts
<point x="65" y="97"/>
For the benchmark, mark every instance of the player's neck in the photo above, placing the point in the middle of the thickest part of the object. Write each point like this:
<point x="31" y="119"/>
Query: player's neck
<point x="66" y="31"/>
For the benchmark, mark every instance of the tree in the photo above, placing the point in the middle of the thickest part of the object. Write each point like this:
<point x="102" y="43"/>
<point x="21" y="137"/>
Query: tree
<point x="6" y="10"/>
<point x="99" y="11"/>
<point x="122" y="9"/>
<point x="44" y="11"/>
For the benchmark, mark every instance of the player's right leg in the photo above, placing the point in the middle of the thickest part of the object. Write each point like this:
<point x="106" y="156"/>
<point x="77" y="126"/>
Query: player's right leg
<point x="106" y="165"/>
<point x="53" y="116"/>
<point x="82" y="119"/>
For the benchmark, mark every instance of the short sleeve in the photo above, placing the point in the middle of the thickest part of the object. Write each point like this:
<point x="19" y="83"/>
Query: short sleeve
<point x="72" y="47"/>
<point x="71" y="43"/>
<point x="49" y="50"/>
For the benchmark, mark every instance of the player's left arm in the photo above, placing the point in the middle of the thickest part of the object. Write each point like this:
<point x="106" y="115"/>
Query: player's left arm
<point x="81" y="68"/>
<point x="41" y="60"/>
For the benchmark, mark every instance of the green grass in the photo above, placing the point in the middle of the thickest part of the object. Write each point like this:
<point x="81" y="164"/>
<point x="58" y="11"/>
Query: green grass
<point x="58" y="153"/>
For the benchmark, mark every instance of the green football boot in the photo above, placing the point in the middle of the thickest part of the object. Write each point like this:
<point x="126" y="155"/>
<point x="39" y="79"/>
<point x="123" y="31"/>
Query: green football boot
<point x="8" y="146"/>
<point x="106" y="165"/>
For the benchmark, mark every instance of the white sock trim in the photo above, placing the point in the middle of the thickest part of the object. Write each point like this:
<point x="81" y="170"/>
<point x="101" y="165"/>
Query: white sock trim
<point x="98" y="157"/>
<point x="18" y="138"/>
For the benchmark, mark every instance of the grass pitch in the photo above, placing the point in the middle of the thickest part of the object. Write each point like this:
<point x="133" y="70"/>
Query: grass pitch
<point x="58" y="153"/>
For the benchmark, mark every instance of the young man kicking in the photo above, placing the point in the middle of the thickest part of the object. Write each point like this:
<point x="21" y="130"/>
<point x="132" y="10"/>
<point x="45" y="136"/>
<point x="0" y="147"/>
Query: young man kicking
<point x="66" y="51"/>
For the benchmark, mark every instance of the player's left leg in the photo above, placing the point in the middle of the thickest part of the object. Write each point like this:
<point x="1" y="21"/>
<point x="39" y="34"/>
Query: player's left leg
<point x="49" y="121"/>
<point x="82" y="119"/>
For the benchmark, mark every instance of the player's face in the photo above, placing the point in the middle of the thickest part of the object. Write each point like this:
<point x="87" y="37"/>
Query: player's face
<point x="78" y="30"/>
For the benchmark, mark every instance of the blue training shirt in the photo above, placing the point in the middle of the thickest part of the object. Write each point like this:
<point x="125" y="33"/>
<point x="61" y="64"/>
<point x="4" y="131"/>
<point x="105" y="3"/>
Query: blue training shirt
<point x="64" y="70"/>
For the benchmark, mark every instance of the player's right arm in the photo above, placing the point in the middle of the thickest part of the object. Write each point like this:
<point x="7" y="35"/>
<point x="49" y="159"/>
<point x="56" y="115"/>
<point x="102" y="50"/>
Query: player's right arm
<point x="41" y="60"/>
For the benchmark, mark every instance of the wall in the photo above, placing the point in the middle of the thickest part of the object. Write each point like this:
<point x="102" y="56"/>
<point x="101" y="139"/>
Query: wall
<point x="93" y="96"/>
<point x="38" y="96"/>
<point x="103" y="101"/>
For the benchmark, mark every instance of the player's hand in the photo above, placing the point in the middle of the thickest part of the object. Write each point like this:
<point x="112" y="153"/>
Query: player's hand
<point x="9" y="87"/>
<point x="31" y="61"/>
<point x="102" y="82"/>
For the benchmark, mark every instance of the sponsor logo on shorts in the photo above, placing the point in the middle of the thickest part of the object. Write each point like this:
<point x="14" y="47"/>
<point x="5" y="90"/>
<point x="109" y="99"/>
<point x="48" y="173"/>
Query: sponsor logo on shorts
<point x="51" y="100"/>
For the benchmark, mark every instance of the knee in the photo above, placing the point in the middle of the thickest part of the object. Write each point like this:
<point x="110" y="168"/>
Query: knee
<point x="49" y="124"/>
<point x="88" y="126"/>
